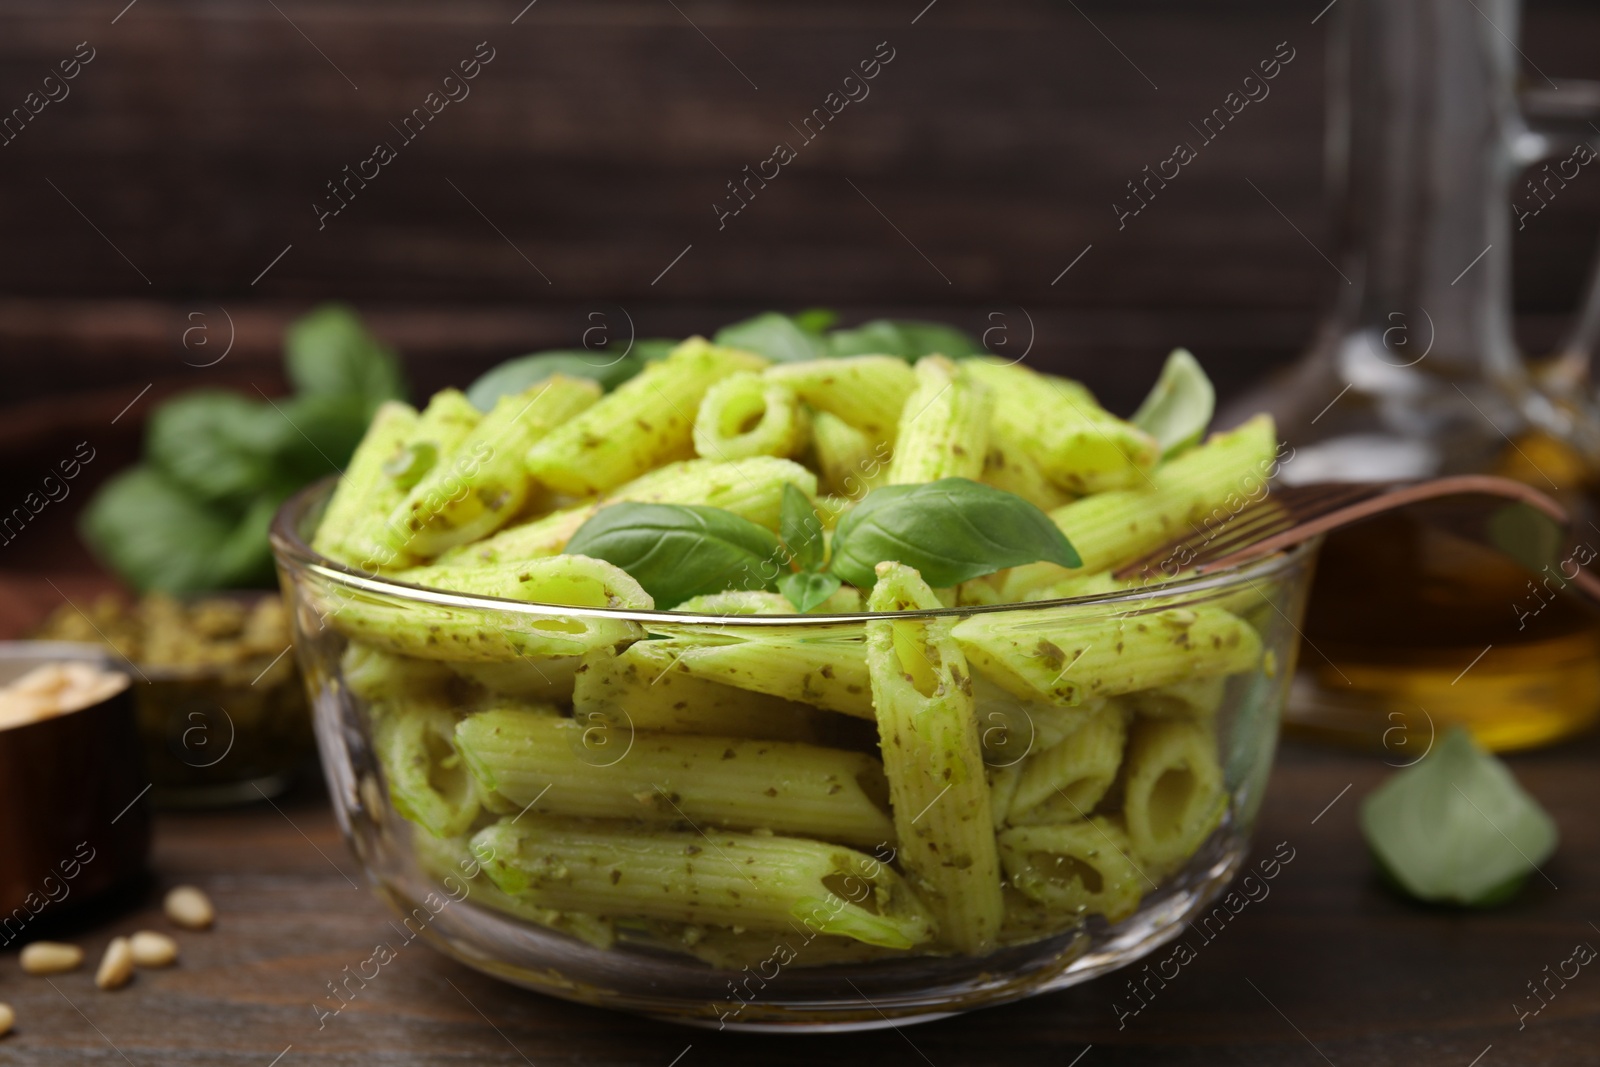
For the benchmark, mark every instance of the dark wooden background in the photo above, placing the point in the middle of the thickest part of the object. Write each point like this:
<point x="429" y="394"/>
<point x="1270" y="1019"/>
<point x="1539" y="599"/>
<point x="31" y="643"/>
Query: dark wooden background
<point x="137" y="215"/>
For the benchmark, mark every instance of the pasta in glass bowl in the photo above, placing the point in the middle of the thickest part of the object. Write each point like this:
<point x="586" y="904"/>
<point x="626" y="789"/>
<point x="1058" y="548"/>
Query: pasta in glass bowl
<point x="691" y="816"/>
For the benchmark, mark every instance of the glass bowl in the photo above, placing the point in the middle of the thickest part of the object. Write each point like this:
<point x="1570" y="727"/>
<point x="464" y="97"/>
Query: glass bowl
<point x="631" y="809"/>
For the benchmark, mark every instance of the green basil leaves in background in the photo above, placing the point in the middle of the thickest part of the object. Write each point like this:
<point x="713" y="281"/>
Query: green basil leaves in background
<point x="951" y="531"/>
<point x="808" y="586"/>
<point x="1456" y="828"/>
<point x="330" y="352"/>
<point x="776" y="336"/>
<point x="789" y="339"/>
<point x="193" y="517"/>
<point x="1180" y="406"/>
<point x="679" y="551"/>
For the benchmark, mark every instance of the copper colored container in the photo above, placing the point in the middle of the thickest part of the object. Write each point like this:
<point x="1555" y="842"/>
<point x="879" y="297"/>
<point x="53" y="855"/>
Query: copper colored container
<point x="74" y="810"/>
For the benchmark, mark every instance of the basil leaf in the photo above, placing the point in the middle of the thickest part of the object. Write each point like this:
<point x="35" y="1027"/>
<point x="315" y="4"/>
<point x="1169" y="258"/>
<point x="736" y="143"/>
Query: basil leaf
<point x="330" y="351"/>
<point x="678" y="551"/>
<point x="515" y="375"/>
<point x="158" y="536"/>
<point x="801" y="529"/>
<point x="774" y="335"/>
<point x="806" y="589"/>
<point x="815" y="320"/>
<point x="1457" y="827"/>
<point x="906" y="338"/>
<point x="951" y="531"/>
<point x="217" y="445"/>
<point x="1179" y="408"/>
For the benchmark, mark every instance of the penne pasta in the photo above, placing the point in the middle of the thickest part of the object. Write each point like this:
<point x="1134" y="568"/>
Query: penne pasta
<point x="365" y="487"/>
<point x="428" y="784"/>
<point x="1075" y="442"/>
<point x="439" y="429"/>
<point x="482" y="484"/>
<point x="1113" y="529"/>
<point x="866" y="392"/>
<point x="467" y="634"/>
<point x="545" y="765"/>
<point x="716" y="877"/>
<point x="1077" y="869"/>
<point x="1068" y="661"/>
<point x="1065" y="781"/>
<point x="645" y="422"/>
<point x="1172" y="794"/>
<point x="850" y="461"/>
<point x="1003" y="782"/>
<point x="928" y="732"/>
<point x="379" y="677"/>
<point x="616" y="694"/>
<point x="751" y="488"/>
<point x="1010" y="464"/>
<point x="745" y="414"/>
<point x="1199" y="698"/>
<point x="944" y="428"/>
<point x="828" y="671"/>
<point x="544" y="536"/>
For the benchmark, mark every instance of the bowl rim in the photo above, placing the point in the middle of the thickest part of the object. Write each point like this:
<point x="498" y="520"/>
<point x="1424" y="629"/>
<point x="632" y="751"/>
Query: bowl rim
<point x="289" y="546"/>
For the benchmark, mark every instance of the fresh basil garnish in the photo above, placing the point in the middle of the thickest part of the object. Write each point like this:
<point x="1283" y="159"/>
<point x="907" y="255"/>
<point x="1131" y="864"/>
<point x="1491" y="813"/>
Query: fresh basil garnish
<point x="906" y="338"/>
<point x="1180" y="405"/>
<point x="1457" y="828"/>
<point x="801" y="528"/>
<point x="951" y="531"/>
<point x="806" y="589"/>
<point x="678" y="551"/>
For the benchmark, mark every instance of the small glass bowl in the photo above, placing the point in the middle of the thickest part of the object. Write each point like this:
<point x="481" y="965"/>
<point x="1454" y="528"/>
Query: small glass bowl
<point x="785" y="974"/>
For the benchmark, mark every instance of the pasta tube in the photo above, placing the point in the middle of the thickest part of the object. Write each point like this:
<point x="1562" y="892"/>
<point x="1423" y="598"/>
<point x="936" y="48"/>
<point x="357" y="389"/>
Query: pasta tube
<point x="843" y="600"/>
<point x="851" y="462"/>
<point x="1173" y="796"/>
<point x="944" y="429"/>
<point x="428" y="784"/>
<point x="546" y="679"/>
<point x="866" y="392"/>
<point x="481" y="485"/>
<point x="1081" y="868"/>
<point x="716" y="877"/>
<point x="1199" y="698"/>
<point x="614" y="695"/>
<point x="1111" y="530"/>
<point x="828" y="672"/>
<point x="929" y="737"/>
<point x="645" y="422"/>
<point x="377" y="676"/>
<point x="1077" y="443"/>
<point x="746" y="415"/>
<point x="441" y="427"/>
<point x="1003" y="782"/>
<point x="435" y="632"/>
<point x="1010" y="465"/>
<point x="545" y="536"/>
<point x="1068" y="662"/>
<point x="1065" y="781"/>
<point x="544" y="765"/>
<point x="751" y="488"/>
<point x="362" y="489"/>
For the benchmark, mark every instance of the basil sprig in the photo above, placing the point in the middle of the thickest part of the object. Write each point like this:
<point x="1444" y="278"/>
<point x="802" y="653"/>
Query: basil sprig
<point x="951" y="531"/>
<point x="1180" y="405"/>
<point x="808" y="585"/>
<point x="1457" y="828"/>
<point x="678" y="551"/>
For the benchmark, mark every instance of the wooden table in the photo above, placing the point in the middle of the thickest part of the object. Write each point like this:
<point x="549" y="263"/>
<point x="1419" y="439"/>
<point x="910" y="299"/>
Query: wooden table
<point x="1327" y="968"/>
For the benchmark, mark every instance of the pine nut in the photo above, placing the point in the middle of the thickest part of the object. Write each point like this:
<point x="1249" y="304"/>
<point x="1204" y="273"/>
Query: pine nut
<point x="190" y="908"/>
<point x="7" y="1018"/>
<point x="51" y="957"/>
<point x="116" y="966"/>
<point x="151" y="949"/>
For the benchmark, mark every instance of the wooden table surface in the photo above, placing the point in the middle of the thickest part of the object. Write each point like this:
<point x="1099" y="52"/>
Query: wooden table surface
<point x="1328" y="968"/>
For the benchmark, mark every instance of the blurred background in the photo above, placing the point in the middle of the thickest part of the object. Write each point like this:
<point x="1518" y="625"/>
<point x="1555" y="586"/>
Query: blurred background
<point x="165" y="206"/>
